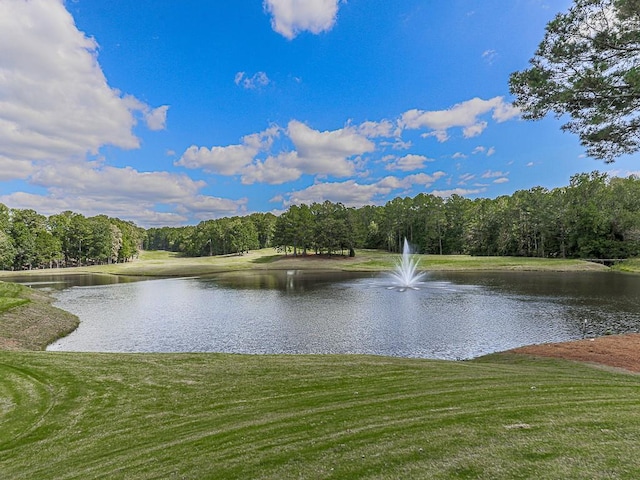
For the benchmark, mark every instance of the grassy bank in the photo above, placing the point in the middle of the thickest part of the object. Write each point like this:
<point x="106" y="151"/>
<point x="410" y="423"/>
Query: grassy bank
<point x="78" y="416"/>
<point x="630" y="266"/>
<point x="29" y="321"/>
<point x="158" y="264"/>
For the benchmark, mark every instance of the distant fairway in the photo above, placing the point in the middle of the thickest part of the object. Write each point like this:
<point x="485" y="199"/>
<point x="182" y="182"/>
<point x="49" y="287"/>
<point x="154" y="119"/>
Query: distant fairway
<point x="162" y="264"/>
<point x="207" y="416"/>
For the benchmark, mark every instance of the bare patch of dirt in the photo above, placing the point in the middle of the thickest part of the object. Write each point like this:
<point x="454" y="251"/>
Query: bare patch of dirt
<point x="619" y="351"/>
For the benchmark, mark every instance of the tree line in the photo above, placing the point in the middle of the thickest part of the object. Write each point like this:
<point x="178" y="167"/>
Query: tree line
<point x="595" y="216"/>
<point x="31" y="240"/>
<point x="221" y="236"/>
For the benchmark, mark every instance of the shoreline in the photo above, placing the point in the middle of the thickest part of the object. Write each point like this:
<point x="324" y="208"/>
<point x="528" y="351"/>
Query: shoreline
<point x="36" y="324"/>
<point x="167" y="264"/>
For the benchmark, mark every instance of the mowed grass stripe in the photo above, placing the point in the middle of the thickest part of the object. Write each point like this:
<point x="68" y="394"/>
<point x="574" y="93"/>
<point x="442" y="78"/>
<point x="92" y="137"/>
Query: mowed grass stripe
<point x="233" y="416"/>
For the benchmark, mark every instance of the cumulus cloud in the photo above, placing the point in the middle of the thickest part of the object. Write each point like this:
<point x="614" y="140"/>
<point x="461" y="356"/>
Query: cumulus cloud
<point x="156" y="118"/>
<point x="274" y="170"/>
<point x="91" y="188"/>
<point x="144" y="214"/>
<point x="350" y="193"/>
<point x="55" y="102"/>
<point x="97" y="181"/>
<point x="290" y="17"/>
<point x="408" y="162"/>
<point x="230" y="159"/>
<point x="327" y="152"/>
<point x="458" y="191"/>
<point x="465" y="115"/>
<point x="354" y="194"/>
<point x="204" y="207"/>
<point x="371" y="129"/>
<point x="333" y="153"/>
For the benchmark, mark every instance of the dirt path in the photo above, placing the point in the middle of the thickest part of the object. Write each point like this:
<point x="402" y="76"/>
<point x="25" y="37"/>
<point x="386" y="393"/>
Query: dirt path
<point x="620" y="351"/>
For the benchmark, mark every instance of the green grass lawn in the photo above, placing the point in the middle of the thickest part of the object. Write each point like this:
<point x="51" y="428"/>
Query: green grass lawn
<point x="209" y="416"/>
<point x="161" y="263"/>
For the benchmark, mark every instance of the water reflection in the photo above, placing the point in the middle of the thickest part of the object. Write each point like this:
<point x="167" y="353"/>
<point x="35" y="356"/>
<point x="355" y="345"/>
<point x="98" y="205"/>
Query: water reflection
<point x="451" y="316"/>
<point x="292" y="281"/>
<point x="61" y="281"/>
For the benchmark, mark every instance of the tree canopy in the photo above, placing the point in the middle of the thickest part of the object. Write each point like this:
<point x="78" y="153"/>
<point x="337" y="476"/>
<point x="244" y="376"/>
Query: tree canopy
<point x="595" y="216"/>
<point x="588" y="66"/>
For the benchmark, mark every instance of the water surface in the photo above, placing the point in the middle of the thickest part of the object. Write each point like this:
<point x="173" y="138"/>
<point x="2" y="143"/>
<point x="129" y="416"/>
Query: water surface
<point x="451" y="316"/>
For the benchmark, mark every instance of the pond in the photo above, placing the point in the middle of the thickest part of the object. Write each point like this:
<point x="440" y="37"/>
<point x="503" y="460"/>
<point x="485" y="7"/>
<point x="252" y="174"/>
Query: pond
<point x="450" y="316"/>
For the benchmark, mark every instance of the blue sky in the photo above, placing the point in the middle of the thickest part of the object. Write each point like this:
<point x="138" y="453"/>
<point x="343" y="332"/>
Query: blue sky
<point x="168" y="113"/>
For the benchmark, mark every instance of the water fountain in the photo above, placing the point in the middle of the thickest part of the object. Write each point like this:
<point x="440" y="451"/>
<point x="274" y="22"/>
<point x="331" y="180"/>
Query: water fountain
<point x="405" y="274"/>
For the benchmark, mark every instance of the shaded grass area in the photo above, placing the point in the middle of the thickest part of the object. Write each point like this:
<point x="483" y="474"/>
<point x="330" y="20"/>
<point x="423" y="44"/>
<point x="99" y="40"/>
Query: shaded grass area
<point x="28" y="320"/>
<point x="196" y="416"/>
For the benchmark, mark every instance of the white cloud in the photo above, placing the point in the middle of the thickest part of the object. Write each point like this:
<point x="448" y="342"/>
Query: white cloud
<point x="92" y="189"/>
<point x="505" y="111"/>
<point x="257" y="80"/>
<point x="143" y="215"/>
<point x="474" y="130"/>
<point x="383" y="128"/>
<point x="457" y="191"/>
<point x="489" y="56"/>
<point x="14" y="169"/>
<point x="458" y="155"/>
<point x="230" y="159"/>
<point x="205" y="207"/>
<point x="274" y="170"/>
<point x="530" y="164"/>
<point x="466" y="178"/>
<point x="349" y="193"/>
<point x="334" y="153"/>
<point x="352" y="193"/>
<point x="327" y="152"/>
<point x="465" y="115"/>
<point x="290" y="17"/>
<point x="55" y="102"/>
<point x="408" y="163"/>
<point x="95" y="181"/>
<point x="156" y="119"/>
<point x="492" y="174"/>
<point x="501" y="180"/>
<point x="491" y="151"/>
<point x="424" y="179"/>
